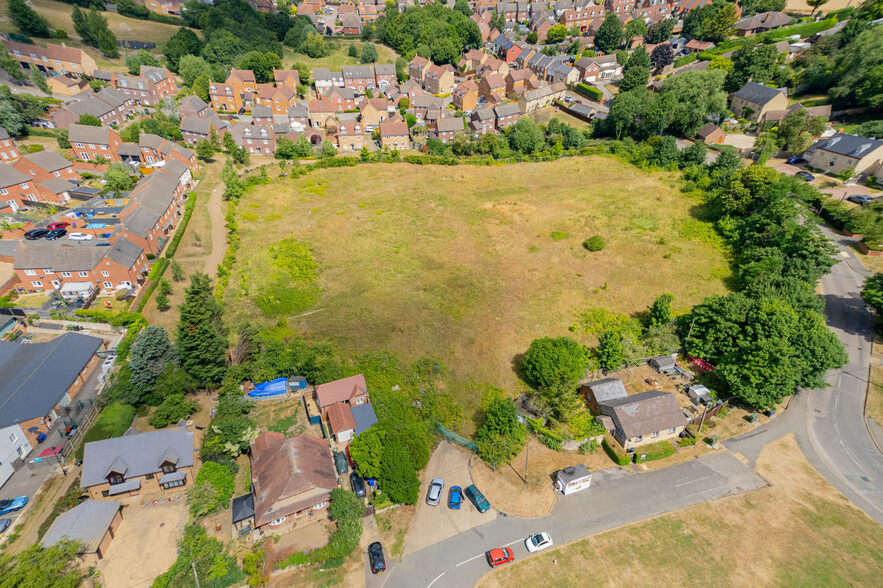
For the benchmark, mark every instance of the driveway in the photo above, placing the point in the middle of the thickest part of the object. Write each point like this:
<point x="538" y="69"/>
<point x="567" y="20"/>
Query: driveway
<point x="740" y="140"/>
<point x="146" y="544"/>
<point x="436" y="523"/>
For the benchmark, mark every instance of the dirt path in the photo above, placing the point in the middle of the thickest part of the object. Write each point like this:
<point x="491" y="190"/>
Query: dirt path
<point x="218" y="234"/>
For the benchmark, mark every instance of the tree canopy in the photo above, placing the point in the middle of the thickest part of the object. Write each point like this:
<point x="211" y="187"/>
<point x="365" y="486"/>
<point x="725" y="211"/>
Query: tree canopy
<point x="444" y="32"/>
<point x="201" y="343"/>
<point x="551" y="362"/>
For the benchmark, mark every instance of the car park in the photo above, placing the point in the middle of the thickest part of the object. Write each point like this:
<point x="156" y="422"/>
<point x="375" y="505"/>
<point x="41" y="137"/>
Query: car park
<point x="12" y="504"/>
<point x="477" y="498"/>
<point x="435" y="489"/>
<point x="35" y="234"/>
<point x="499" y="556"/>
<point x="60" y="225"/>
<point x="375" y="557"/>
<point x="455" y="497"/>
<point x="805" y="175"/>
<point x="860" y="199"/>
<point x="80" y="237"/>
<point x="358" y="484"/>
<point x="56" y="234"/>
<point x="538" y="542"/>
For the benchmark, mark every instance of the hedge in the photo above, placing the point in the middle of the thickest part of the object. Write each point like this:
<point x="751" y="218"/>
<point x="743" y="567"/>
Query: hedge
<point x="616" y="454"/>
<point x="159" y="268"/>
<point x="590" y="92"/>
<point x="182" y="227"/>
<point x="685" y="59"/>
<point x="654" y="451"/>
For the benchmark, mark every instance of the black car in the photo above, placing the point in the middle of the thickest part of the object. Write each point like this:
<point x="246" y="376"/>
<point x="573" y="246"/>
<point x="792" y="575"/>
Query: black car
<point x="358" y="484"/>
<point x="55" y="234"/>
<point x="861" y="199"/>
<point x="4" y="524"/>
<point x="36" y="234"/>
<point x="796" y="160"/>
<point x="375" y="557"/>
<point x="805" y="175"/>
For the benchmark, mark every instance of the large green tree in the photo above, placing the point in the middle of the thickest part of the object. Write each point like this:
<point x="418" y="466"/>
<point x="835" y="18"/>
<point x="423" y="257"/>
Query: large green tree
<point x="55" y="566"/>
<point x="27" y="20"/>
<point x="611" y="355"/>
<point x="184" y="42"/>
<point x="692" y="98"/>
<point x="525" y="136"/>
<point x="502" y="435"/>
<point x="551" y="362"/>
<point x="609" y="35"/>
<point x="201" y="338"/>
<point x="758" y="64"/>
<point x="398" y="476"/>
<point x="367" y="451"/>
<point x="152" y="353"/>
<point x="262" y="64"/>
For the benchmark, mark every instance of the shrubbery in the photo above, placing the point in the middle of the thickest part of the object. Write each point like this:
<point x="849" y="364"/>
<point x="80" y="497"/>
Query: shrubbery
<point x="113" y="421"/>
<point x="595" y="243"/>
<point x="611" y="447"/>
<point x="212" y="490"/>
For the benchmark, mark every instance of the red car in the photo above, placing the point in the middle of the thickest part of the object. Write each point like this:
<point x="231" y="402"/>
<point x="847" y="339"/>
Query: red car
<point x="54" y="226"/>
<point x="499" y="556"/>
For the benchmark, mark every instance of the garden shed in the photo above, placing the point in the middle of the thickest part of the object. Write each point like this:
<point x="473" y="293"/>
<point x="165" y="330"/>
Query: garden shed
<point x="664" y="364"/>
<point x="573" y="479"/>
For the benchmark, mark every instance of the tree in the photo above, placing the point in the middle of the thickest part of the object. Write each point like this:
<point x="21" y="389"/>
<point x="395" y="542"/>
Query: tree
<point x="345" y="505"/>
<point x="660" y="311"/>
<point x="410" y="119"/>
<point x="55" y="566"/>
<point x="872" y="293"/>
<point x="662" y="56"/>
<point x="328" y="149"/>
<point x="177" y="271"/>
<point x="758" y="64"/>
<point x="554" y="362"/>
<point x="89" y="120"/>
<point x="532" y="38"/>
<point x="262" y="64"/>
<point x="184" y="42"/>
<point x="92" y="28"/>
<point x="201" y="87"/>
<point x="502" y="435"/>
<point x="366" y="451"/>
<point x="369" y="53"/>
<point x="720" y="26"/>
<point x="152" y="353"/>
<point x="694" y="154"/>
<point x="201" y="337"/>
<point x="525" y="136"/>
<point x="27" y="20"/>
<point x="556" y="34"/>
<point x="608" y="37"/>
<point x="173" y="409"/>
<point x="353" y="51"/>
<point x="665" y="151"/>
<point x="634" y="77"/>
<point x="191" y="67"/>
<point x="117" y="178"/>
<point x="40" y="81"/>
<point x="204" y="150"/>
<point x="610" y="352"/>
<point x="634" y="28"/>
<point x="816" y="4"/>
<point x="661" y="31"/>
<point x="11" y="66"/>
<point x="162" y="302"/>
<point x="462" y="6"/>
<point x="316" y="46"/>
<point x="398" y="476"/>
<point x="691" y="99"/>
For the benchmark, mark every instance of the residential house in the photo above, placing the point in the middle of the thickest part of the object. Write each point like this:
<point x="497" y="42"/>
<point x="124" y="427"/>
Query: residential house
<point x="367" y="10"/>
<point x="351" y="24"/>
<point x="138" y="463"/>
<point x="150" y="87"/>
<point x="774" y="117"/>
<point x="524" y="57"/>
<point x="483" y="121"/>
<point x="92" y="524"/>
<point x="465" y="96"/>
<point x="844" y="151"/>
<point x="358" y="78"/>
<point x="519" y="81"/>
<point x="417" y="68"/>
<point x="46" y="165"/>
<point x="685" y="6"/>
<point x="89" y="143"/>
<point x="471" y="61"/>
<point x="541" y="97"/>
<point x="287" y="77"/>
<point x="109" y="106"/>
<point x="298" y="115"/>
<point x="411" y="90"/>
<point x="438" y="80"/>
<point x="54" y="59"/>
<point x="277" y="98"/>
<point x="492" y="87"/>
<point x="761" y="23"/>
<point x="34" y="397"/>
<point x="65" y="85"/>
<point x="291" y="477"/>
<point x="262" y="115"/>
<point x="17" y="190"/>
<point x="193" y="106"/>
<point x="8" y="149"/>
<point x="593" y="69"/>
<point x="352" y="390"/>
<point x="711" y="134"/>
<point x="256" y="139"/>
<point x="506" y="115"/>
<point x="493" y="65"/>
<point x="752" y="101"/>
<point x="231" y="96"/>
<point x="447" y="128"/>
<point x="561" y="72"/>
<point x="56" y="190"/>
<point x="326" y="79"/>
<point x="322" y="113"/>
<point x="342" y="99"/>
<point x="350" y="137"/>
<point x="581" y="16"/>
<point x="601" y="391"/>
<point x="195" y="129"/>
<point x="165" y="7"/>
<point x="373" y="111"/>
<point x="621" y="6"/>
<point x="696" y="46"/>
<point x="385" y="76"/>
<point x="644" y="418"/>
<point x="14" y="450"/>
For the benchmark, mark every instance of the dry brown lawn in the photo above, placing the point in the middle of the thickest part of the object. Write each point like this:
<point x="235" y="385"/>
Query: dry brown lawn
<point x="393" y="525"/>
<point x="798" y="532"/>
<point x="543" y="116"/>
<point x="800" y="6"/>
<point x="460" y="263"/>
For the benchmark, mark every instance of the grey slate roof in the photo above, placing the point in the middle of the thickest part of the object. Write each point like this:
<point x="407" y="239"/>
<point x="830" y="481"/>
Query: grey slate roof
<point x="9" y="176"/>
<point x="849" y="145"/>
<point x="124" y="252"/>
<point x="644" y="413"/>
<point x="87" y="523"/>
<point x="507" y="109"/>
<point x="129" y="150"/>
<point x="607" y="389"/>
<point x="48" y="160"/>
<point x="364" y="416"/>
<point x="140" y="221"/>
<point x="57" y="185"/>
<point x="150" y="140"/>
<point x="34" y="377"/>
<point x="384" y="69"/>
<point x="87" y="134"/>
<point x="756" y="93"/>
<point x="243" y="508"/>
<point x="143" y="454"/>
<point x="357" y="71"/>
<point x="261" y="111"/>
<point x="4" y="134"/>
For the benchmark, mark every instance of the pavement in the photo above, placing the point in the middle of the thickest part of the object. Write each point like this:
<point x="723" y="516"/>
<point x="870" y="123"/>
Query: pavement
<point x="617" y="497"/>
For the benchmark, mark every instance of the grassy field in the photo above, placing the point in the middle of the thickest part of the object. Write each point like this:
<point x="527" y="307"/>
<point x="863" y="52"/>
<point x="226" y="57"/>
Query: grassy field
<point x="338" y="56"/>
<point x="460" y="263"/>
<point x="799" y="532"/>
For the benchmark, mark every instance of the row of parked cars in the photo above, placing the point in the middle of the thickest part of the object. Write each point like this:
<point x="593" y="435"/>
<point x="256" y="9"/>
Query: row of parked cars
<point x="455" y="496"/>
<point x="56" y="231"/>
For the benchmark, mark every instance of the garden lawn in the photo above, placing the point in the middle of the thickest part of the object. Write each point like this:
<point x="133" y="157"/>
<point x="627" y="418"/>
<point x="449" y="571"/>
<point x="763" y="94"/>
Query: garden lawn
<point x="339" y="55"/>
<point x="458" y="263"/>
<point x="799" y="532"/>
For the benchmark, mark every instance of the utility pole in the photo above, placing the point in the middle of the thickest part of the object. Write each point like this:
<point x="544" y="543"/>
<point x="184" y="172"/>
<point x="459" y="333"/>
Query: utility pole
<point x="690" y="332"/>
<point x="195" y="575"/>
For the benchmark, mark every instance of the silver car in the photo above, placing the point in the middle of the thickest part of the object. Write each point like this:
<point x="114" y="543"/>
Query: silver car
<point x="435" y="491"/>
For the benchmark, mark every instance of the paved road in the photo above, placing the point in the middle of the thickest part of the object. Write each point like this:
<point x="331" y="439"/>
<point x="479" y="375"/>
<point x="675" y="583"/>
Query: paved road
<point x="829" y="424"/>
<point x="617" y="497"/>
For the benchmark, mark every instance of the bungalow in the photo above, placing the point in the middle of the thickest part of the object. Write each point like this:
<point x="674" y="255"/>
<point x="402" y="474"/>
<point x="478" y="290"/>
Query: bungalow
<point x="352" y="391"/>
<point x="394" y="135"/>
<point x="92" y="523"/>
<point x="601" y="391"/>
<point x="844" y="151"/>
<point x="752" y="101"/>
<point x="711" y="134"/>
<point x="138" y="462"/>
<point x="644" y="418"/>
<point x="291" y="477"/>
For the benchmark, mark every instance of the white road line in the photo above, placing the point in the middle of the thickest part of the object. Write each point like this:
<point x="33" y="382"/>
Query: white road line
<point x="691" y="481"/>
<point x="469" y="560"/>
<point x="513" y="543"/>
<point x="436" y="580"/>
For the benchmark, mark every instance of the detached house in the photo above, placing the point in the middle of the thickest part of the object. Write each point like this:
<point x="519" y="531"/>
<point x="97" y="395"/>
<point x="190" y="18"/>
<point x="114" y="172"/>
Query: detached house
<point x="150" y="87"/>
<point x="843" y="151"/>
<point x="643" y="418"/>
<point x="601" y="391"/>
<point x="752" y="101"/>
<point x="394" y="135"/>
<point x="352" y="391"/>
<point x="438" y="80"/>
<point x="138" y="462"/>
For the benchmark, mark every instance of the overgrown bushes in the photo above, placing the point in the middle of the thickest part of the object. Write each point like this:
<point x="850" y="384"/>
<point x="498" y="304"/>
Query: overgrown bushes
<point x="113" y="421"/>
<point x="212" y="489"/>
<point x="189" y="205"/>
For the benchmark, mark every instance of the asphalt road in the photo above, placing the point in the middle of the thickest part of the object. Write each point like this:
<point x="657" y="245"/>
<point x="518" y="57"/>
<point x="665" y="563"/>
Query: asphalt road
<point x="617" y="497"/>
<point x="829" y="423"/>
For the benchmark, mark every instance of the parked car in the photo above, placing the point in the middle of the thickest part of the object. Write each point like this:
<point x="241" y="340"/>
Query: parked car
<point x="805" y="175"/>
<point x="499" y="556"/>
<point x="80" y="237"/>
<point x="61" y="225"/>
<point x="340" y="463"/>
<point x="455" y="497"/>
<point x="56" y="234"/>
<point x="435" y="490"/>
<point x="861" y="199"/>
<point x="12" y="504"/>
<point x="538" y="542"/>
<point x="375" y="557"/>
<point x="358" y="484"/>
<point x="477" y="498"/>
<point x="36" y="234"/>
<point x="4" y="524"/>
<point x="796" y="160"/>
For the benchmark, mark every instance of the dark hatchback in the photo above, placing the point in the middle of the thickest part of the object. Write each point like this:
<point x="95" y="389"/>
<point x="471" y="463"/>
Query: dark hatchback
<point x="358" y="484"/>
<point x="375" y="557"/>
<point x="56" y="234"/>
<point x="36" y="234"/>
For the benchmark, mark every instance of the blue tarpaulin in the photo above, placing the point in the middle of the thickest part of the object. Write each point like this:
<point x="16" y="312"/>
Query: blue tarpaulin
<point x="271" y="388"/>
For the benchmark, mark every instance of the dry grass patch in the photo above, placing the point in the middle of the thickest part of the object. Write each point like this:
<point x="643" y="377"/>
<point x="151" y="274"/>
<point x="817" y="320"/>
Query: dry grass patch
<point x="801" y="7"/>
<point x="457" y="262"/>
<point x="393" y="525"/>
<point x="339" y="55"/>
<point x="874" y="407"/>
<point x="799" y="532"/>
<point x="543" y="116"/>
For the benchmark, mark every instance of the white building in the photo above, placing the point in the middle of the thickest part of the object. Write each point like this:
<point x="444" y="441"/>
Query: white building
<point x="14" y="446"/>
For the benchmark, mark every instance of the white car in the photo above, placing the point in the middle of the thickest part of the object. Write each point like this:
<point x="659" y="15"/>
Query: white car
<point x="538" y="542"/>
<point x="80" y="237"/>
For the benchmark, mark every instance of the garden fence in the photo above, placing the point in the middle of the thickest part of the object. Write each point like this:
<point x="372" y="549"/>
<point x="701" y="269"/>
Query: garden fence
<point x="458" y="439"/>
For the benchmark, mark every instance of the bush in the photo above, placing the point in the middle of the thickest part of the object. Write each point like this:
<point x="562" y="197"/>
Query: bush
<point x="590" y="92"/>
<point x="654" y="451"/>
<point x="173" y="409"/>
<point x="590" y="446"/>
<point x="687" y="441"/>
<point x="182" y="226"/>
<point x="595" y="243"/>
<point x="113" y="421"/>
<point x="212" y="490"/>
<point x="612" y="449"/>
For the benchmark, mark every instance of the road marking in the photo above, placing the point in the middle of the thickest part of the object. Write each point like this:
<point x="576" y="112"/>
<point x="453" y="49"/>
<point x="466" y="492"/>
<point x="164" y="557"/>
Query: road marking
<point x="691" y="481"/>
<point x="742" y="457"/>
<point x="513" y="543"/>
<point x="469" y="560"/>
<point x="436" y="580"/>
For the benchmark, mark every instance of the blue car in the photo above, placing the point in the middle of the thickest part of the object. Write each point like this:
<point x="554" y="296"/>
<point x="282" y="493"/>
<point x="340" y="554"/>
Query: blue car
<point x="805" y="175"/>
<point x="454" y="497"/>
<point x="12" y="504"/>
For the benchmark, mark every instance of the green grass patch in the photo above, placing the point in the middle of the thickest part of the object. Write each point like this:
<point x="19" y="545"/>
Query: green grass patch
<point x="284" y="278"/>
<point x="559" y="235"/>
<point x="653" y="451"/>
<point x="113" y="421"/>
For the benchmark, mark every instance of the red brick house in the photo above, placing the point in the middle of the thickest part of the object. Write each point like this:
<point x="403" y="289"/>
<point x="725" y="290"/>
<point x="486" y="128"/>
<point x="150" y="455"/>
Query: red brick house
<point x="492" y="87"/>
<point x="447" y="128"/>
<point x="90" y="143"/>
<point x="8" y="150"/>
<point x="341" y="98"/>
<point x="110" y="106"/>
<point x="417" y="68"/>
<point x="46" y="165"/>
<point x="150" y="87"/>
<point x="466" y="96"/>
<point x="358" y="78"/>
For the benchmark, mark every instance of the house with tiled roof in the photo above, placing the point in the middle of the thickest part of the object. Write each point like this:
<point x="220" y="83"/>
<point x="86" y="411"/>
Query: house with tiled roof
<point x="465" y="96"/>
<point x="761" y="23"/>
<point x="417" y="68"/>
<point x="752" y="101"/>
<point x="150" y="87"/>
<point x="844" y="151"/>
<point x="541" y="97"/>
<point x="8" y="148"/>
<point x="109" y="106"/>
<point x="438" y="80"/>
<point x="89" y="143"/>
<point x="54" y="59"/>
<point x="644" y="418"/>
<point x="394" y="135"/>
